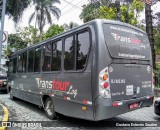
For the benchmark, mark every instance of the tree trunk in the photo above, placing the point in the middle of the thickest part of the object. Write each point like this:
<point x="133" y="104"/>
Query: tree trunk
<point x="149" y="30"/>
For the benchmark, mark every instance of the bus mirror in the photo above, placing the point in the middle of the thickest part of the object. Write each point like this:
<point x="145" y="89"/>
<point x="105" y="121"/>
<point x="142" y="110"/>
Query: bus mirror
<point x="7" y="63"/>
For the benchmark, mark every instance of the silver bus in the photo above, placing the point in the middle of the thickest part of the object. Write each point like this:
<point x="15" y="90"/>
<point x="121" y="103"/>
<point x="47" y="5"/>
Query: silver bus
<point x="93" y="72"/>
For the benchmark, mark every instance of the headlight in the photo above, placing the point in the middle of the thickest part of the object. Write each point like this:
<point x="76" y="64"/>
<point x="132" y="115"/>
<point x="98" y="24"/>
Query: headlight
<point x="158" y="99"/>
<point x="4" y="82"/>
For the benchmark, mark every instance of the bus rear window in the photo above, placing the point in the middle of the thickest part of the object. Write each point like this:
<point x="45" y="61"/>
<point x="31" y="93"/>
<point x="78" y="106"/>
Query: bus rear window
<point x="127" y="43"/>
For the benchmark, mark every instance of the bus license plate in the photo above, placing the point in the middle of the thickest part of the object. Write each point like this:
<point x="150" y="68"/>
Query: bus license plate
<point x="134" y="105"/>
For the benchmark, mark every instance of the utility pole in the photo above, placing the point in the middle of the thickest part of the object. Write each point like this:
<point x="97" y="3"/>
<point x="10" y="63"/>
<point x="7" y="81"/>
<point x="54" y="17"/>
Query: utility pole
<point x="149" y="30"/>
<point x="2" y="26"/>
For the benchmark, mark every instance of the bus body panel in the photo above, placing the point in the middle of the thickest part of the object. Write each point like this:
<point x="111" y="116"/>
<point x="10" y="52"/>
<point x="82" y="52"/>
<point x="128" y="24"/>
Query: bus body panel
<point x="130" y="81"/>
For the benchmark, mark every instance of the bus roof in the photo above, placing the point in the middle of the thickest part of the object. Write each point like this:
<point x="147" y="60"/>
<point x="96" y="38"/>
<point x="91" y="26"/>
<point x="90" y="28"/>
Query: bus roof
<point x="96" y="21"/>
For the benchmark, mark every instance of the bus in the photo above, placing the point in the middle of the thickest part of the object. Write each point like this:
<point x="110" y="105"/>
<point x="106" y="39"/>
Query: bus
<point x="93" y="72"/>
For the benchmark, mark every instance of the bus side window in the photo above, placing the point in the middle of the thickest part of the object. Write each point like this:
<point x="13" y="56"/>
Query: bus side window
<point x="14" y="65"/>
<point x="69" y="55"/>
<point x="37" y="59"/>
<point x="47" y="54"/>
<point x="30" y="60"/>
<point x="20" y="63"/>
<point x="56" y="55"/>
<point x="24" y="61"/>
<point x="11" y="66"/>
<point x="83" y="44"/>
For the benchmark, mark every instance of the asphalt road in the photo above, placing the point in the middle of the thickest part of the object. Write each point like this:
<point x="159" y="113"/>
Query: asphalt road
<point x="24" y="111"/>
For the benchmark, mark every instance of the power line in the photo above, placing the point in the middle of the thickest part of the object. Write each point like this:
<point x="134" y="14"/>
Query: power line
<point x="72" y="4"/>
<point x="72" y="8"/>
<point x="66" y="5"/>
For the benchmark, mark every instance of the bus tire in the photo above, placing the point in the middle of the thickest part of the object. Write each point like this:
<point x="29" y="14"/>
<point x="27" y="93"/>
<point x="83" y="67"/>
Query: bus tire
<point x="49" y="109"/>
<point x="11" y="95"/>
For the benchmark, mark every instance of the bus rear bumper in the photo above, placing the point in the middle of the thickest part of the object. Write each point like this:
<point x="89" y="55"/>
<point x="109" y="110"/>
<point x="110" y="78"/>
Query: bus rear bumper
<point x="104" y="108"/>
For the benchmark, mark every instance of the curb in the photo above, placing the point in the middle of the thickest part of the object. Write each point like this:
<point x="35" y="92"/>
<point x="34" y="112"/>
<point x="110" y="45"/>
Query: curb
<point x="5" y="116"/>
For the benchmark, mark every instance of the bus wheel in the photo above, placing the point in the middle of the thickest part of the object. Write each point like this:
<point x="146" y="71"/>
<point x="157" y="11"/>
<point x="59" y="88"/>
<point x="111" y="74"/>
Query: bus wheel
<point x="11" y="95"/>
<point x="49" y="109"/>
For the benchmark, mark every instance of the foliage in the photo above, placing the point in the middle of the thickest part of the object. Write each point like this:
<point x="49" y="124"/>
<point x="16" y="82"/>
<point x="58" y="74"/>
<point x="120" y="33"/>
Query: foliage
<point x="29" y="35"/>
<point x="156" y="31"/>
<point x="44" y="9"/>
<point x="157" y="40"/>
<point x="52" y="31"/>
<point x="15" y="8"/>
<point x="129" y="12"/>
<point x="105" y="10"/>
<point x="90" y="12"/>
<point x="14" y="42"/>
<point x="107" y="13"/>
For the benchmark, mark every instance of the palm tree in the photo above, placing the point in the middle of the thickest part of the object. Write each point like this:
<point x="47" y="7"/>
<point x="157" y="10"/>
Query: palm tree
<point x="90" y="12"/>
<point x="15" y="8"/>
<point x="44" y="9"/>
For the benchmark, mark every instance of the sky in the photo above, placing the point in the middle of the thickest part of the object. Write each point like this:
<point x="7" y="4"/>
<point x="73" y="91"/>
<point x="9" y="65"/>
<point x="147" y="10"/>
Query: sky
<point x="70" y="11"/>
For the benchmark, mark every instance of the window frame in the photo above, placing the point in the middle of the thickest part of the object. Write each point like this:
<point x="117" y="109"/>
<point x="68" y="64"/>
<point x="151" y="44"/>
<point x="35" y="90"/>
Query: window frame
<point x="40" y="67"/>
<point x="32" y="49"/>
<point x="76" y="37"/>
<point x="70" y="35"/>
<point x="52" y="41"/>
<point x="20" y="54"/>
<point x="15" y="57"/>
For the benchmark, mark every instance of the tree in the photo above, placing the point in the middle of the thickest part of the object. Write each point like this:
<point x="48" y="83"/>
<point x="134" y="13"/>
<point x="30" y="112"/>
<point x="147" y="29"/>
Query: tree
<point x="129" y="12"/>
<point x="52" y="31"/>
<point x="70" y="26"/>
<point x="15" y="8"/>
<point x="30" y="35"/>
<point x="44" y="9"/>
<point x="90" y="12"/>
<point x="156" y="31"/>
<point x="15" y="42"/>
<point x="106" y="10"/>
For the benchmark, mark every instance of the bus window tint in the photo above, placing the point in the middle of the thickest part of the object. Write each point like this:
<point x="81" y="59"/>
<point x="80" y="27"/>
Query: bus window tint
<point x="37" y="59"/>
<point x="69" y="55"/>
<point x="20" y="63"/>
<point x="30" y="60"/>
<point x="24" y="61"/>
<point x="56" y="55"/>
<point x="13" y="65"/>
<point x="47" y="54"/>
<point x="83" y="44"/>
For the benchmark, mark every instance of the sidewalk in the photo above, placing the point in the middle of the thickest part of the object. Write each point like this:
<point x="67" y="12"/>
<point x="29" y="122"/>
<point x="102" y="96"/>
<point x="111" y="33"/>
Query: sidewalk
<point x="4" y="115"/>
<point x="1" y="113"/>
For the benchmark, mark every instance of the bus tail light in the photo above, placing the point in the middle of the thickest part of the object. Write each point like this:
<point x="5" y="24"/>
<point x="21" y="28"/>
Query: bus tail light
<point x="104" y="77"/>
<point x="115" y="104"/>
<point x="104" y="87"/>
